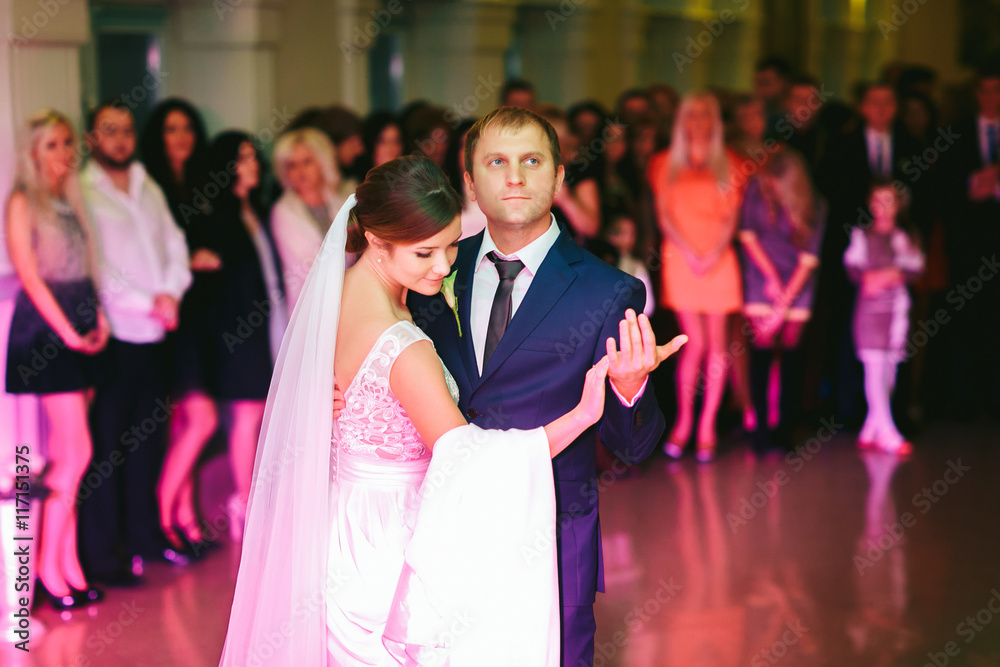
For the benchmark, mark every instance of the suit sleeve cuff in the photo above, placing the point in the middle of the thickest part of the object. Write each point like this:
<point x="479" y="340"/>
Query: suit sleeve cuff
<point x="635" y="399"/>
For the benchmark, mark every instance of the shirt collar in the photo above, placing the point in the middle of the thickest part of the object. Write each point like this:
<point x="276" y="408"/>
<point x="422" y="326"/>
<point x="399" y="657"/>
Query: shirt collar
<point x="530" y="255"/>
<point x="96" y="174"/>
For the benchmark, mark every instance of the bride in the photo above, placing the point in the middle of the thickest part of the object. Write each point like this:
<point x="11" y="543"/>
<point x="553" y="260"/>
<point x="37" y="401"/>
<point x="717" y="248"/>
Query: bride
<point x="364" y="549"/>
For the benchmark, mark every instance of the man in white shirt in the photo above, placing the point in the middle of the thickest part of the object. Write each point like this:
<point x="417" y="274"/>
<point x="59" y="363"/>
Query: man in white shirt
<point x="143" y="275"/>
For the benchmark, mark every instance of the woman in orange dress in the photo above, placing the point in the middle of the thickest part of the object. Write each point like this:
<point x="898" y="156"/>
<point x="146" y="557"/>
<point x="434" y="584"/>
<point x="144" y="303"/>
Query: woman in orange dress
<point x="697" y="195"/>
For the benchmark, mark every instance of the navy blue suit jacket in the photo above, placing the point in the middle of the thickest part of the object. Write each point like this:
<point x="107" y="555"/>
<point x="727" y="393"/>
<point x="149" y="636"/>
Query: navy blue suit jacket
<point x="536" y="374"/>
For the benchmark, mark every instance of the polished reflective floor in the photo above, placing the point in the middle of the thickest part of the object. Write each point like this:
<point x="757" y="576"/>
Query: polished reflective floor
<point x="823" y="557"/>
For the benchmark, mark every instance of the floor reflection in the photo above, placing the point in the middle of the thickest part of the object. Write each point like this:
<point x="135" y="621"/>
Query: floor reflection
<point x="831" y="558"/>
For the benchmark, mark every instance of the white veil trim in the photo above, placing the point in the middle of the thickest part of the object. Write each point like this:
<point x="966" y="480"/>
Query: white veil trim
<point x="278" y="615"/>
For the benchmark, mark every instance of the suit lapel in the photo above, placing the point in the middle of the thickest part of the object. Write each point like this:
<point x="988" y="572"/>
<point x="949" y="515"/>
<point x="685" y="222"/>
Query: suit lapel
<point x="463" y="292"/>
<point x="555" y="275"/>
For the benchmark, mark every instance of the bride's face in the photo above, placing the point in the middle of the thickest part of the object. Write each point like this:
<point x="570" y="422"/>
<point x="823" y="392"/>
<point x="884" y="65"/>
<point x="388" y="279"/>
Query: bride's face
<point x="422" y="266"/>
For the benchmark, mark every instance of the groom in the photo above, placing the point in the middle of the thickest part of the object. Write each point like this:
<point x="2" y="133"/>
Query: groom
<point x="534" y="313"/>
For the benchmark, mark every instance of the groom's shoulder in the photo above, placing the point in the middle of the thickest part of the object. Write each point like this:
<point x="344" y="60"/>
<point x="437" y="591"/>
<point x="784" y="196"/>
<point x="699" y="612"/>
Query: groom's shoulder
<point x="596" y="274"/>
<point x="470" y="244"/>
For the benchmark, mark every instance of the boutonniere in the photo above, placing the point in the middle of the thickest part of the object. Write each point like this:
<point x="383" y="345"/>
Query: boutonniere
<point x="448" y="292"/>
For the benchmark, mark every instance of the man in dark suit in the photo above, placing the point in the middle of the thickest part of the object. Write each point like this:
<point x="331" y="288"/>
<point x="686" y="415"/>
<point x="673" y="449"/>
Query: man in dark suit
<point x="972" y="235"/>
<point x="534" y="313"/>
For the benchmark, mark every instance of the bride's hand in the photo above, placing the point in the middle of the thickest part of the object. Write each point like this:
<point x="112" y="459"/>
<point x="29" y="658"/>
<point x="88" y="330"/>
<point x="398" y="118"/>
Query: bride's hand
<point x="338" y="402"/>
<point x="591" y="406"/>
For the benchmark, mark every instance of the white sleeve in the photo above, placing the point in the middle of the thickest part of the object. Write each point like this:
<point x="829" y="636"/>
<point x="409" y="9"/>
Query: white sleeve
<point x="296" y="248"/>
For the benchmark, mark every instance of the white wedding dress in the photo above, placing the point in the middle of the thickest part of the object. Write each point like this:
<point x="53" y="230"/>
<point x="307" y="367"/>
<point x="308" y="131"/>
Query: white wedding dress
<point x="363" y="549"/>
<point x="380" y="462"/>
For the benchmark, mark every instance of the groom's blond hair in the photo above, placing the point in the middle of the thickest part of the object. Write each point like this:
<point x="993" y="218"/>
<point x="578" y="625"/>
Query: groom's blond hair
<point x="515" y="119"/>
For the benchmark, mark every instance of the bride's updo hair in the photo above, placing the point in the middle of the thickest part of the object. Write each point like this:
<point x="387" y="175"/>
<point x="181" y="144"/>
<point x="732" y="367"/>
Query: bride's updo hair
<point x="401" y="202"/>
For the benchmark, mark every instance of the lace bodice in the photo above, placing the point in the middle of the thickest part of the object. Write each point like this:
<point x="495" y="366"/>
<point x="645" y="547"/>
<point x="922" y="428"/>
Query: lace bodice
<point x="374" y="424"/>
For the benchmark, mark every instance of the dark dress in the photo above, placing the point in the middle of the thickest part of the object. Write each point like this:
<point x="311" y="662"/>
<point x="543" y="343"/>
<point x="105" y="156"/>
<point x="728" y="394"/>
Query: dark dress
<point x="241" y="317"/>
<point x="192" y="345"/>
<point x="776" y="238"/>
<point x="38" y="361"/>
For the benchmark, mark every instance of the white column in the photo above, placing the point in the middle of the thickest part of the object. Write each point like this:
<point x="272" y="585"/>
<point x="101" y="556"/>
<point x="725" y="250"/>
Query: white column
<point x="221" y="56"/>
<point x="454" y="54"/>
<point x="322" y="54"/>
<point x="20" y="416"/>
<point x="557" y="51"/>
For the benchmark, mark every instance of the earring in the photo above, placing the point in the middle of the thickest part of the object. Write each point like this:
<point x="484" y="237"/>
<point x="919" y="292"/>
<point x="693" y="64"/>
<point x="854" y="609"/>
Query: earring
<point x="380" y="259"/>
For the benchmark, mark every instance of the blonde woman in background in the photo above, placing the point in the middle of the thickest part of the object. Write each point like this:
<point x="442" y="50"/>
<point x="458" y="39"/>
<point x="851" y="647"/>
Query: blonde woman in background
<point x="57" y="318"/>
<point x="697" y="198"/>
<point x="305" y="163"/>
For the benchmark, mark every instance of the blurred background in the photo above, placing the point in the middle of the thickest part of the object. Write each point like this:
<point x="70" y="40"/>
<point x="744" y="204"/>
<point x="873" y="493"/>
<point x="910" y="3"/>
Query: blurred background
<point x="821" y="577"/>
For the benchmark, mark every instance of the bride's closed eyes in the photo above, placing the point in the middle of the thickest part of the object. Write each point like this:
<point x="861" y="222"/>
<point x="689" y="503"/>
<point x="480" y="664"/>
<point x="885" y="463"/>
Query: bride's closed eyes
<point x="426" y="255"/>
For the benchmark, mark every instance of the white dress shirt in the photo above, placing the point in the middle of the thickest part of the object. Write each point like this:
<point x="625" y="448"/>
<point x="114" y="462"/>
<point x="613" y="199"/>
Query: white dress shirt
<point x="486" y="280"/>
<point x="142" y="251"/>
<point x="879" y="152"/>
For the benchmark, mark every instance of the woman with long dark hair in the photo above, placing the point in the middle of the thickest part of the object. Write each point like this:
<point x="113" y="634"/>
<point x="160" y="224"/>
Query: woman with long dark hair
<point x="175" y="152"/>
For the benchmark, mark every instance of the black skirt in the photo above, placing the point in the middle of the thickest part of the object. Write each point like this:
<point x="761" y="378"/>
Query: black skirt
<point x="38" y="361"/>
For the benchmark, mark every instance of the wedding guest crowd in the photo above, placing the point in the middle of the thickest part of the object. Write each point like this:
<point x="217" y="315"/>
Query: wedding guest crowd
<point x="797" y="240"/>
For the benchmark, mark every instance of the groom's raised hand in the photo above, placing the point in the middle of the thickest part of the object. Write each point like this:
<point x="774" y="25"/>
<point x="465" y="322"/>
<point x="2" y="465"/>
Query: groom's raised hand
<point x="639" y="355"/>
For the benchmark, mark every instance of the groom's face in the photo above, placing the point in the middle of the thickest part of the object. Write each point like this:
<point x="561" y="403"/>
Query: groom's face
<point x="514" y="177"/>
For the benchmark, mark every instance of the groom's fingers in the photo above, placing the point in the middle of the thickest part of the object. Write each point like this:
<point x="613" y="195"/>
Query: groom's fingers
<point x="625" y="341"/>
<point x="613" y="356"/>
<point x="648" y="342"/>
<point x="669" y="348"/>
<point x="635" y="338"/>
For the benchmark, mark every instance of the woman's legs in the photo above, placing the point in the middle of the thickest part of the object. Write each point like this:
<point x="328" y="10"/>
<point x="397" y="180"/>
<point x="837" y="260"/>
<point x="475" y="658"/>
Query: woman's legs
<point x="789" y="388"/>
<point x="715" y="375"/>
<point x="197" y="420"/>
<point x="691" y="357"/>
<point x="247" y="418"/>
<point x="70" y="450"/>
<point x="739" y="377"/>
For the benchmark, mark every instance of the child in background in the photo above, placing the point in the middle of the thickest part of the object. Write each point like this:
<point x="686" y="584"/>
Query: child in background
<point x="622" y="235"/>
<point x="881" y="259"/>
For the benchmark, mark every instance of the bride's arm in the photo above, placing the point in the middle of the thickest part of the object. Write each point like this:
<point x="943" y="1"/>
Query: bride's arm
<point x="417" y="380"/>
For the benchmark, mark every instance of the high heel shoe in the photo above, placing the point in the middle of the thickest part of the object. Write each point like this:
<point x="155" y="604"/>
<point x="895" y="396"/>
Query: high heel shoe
<point x="673" y="450"/>
<point x="57" y="602"/>
<point x="674" y="446"/>
<point x="86" y="596"/>
<point x="196" y="549"/>
<point x="705" y="452"/>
